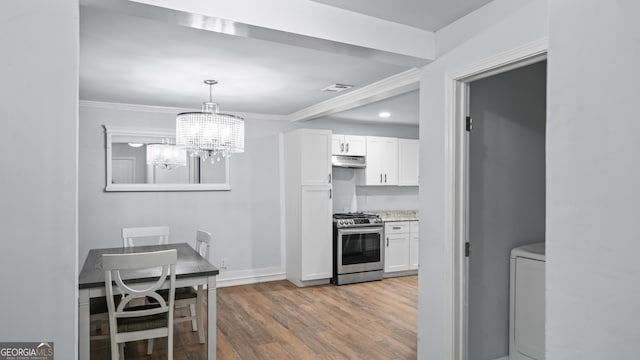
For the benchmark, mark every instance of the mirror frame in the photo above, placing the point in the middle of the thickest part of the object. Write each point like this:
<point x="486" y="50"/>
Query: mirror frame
<point x="111" y="131"/>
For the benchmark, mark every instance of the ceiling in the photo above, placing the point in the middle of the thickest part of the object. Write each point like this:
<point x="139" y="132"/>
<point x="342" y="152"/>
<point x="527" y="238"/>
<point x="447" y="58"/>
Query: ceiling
<point x="403" y="109"/>
<point x="429" y="15"/>
<point x="126" y="59"/>
<point x="129" y="59"/>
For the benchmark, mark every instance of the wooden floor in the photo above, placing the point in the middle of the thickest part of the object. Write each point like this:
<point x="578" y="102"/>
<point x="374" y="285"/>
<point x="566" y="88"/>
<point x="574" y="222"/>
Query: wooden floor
<point x="277" y="320"/>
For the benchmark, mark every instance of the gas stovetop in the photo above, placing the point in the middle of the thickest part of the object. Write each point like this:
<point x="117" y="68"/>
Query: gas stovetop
<point x="359" y="219"/>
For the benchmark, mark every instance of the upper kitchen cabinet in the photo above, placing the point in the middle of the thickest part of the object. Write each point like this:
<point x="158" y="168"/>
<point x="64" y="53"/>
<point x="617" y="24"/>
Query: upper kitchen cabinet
<point x="382" y="161"/>
<point x="315" y="156"/>
<point x="351" y="145"/>
<point x="408" y="162"/>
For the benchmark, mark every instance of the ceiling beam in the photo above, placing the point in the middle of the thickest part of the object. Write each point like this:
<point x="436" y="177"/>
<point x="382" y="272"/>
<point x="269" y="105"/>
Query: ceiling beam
<point x="303" y="24"/>
<point x="392" y="86"/>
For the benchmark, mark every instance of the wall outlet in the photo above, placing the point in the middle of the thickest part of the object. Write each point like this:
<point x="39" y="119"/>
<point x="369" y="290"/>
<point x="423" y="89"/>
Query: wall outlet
<point x="223" y="264"/>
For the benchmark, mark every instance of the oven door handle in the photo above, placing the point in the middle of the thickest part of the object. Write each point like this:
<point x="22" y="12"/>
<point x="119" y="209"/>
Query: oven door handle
<point x="360" y="230"/>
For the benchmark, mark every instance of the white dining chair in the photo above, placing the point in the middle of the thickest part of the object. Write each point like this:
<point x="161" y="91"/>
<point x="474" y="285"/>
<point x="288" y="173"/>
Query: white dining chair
<point x="136" y="236"/>
<point x="148" y="321"/>
<point x="133" y="236"/>
<point x="192" y="297"/>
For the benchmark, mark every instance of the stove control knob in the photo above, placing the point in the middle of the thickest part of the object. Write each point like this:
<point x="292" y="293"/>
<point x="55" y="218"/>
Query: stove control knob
<point x="340" y="222"/>
<point x="351" y="222"/>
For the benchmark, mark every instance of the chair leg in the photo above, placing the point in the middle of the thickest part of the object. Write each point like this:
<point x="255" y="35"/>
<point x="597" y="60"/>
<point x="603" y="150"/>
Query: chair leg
<point x="121" y="351"/>
<point x="170" y="346"/>
<point x="200" y="318"/>
<point x="194" y="313"/>
<point x="149" y="346"/>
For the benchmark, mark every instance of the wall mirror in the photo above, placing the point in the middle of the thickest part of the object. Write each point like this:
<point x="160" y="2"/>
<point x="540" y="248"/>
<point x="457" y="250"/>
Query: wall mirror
<point x="129" y="158"/>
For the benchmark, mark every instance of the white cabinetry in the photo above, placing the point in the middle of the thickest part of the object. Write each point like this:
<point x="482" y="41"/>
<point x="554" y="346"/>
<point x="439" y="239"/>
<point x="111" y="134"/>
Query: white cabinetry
<point x="317" y="250"/>
<point x="397" y="237"/>
<point x="308" y="206"/>
<point x="401" y="241"/>
<point x="315" y="157"/>
<point x="408" y="162"/>
<point x="382" y="161"/>
<point x="413" y="246"/>
<point x="348" y="145"/>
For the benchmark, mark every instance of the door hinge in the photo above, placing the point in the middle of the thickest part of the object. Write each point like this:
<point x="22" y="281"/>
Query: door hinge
<point x="469" y="123"/>
<point x="467" y="249"/>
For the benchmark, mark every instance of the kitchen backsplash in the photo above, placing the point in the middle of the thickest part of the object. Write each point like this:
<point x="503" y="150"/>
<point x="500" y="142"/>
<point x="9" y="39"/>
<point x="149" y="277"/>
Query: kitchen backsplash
<point x="349" y="197"/>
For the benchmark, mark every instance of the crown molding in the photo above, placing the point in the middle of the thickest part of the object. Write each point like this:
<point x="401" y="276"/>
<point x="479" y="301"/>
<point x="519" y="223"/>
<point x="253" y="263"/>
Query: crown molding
<point x="173" y="110"/>
<point x="393" y="85"/>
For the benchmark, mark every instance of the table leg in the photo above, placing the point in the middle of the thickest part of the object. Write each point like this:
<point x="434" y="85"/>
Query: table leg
<point x="211" y="318"/>
<point x="83" y="324"/>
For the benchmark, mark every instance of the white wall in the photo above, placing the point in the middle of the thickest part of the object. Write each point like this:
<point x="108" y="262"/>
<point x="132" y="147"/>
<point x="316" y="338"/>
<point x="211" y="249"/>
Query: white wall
<point x="500" y="33"/>
<point x="38" y="153"/>
<point x="506" y="195"/>
<point x="593" y="199"/>
<point x="245" y="222"/>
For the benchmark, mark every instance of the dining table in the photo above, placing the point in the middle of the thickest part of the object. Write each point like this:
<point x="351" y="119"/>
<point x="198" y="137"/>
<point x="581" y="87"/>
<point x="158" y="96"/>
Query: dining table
<point x="191" y="270"/>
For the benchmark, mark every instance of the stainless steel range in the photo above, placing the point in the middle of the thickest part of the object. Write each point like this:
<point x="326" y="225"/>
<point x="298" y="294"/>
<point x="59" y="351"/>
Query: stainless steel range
<point x="358" y="249"/>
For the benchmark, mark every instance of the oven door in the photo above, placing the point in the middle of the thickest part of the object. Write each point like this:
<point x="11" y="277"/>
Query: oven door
<point x="360" y="249"/>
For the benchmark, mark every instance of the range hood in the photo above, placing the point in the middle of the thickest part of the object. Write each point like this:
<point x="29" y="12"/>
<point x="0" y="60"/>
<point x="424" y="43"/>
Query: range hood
<point x="345" y="161"/>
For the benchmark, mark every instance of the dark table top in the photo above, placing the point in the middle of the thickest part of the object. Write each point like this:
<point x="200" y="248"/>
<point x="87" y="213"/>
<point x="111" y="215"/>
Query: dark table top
<point x="190" y="264"/>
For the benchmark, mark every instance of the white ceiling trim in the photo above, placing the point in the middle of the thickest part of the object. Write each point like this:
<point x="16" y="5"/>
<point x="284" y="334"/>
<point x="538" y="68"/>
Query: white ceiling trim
<point x="394" y="85"/>
<point x="173" y="110"/>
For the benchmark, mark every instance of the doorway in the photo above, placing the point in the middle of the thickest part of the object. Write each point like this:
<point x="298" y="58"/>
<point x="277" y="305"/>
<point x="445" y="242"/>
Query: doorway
<point x="505" y="195"/>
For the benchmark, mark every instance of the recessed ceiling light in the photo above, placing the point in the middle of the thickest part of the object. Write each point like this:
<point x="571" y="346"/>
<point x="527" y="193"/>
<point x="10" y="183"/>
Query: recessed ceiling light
<point x="136" y="145"/>
<point x="384" y="114"/>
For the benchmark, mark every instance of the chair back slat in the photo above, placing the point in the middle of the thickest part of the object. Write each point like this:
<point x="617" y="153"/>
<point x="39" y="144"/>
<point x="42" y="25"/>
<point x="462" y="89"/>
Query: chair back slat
<point x="129" y="235"/>
<point x="203" y="243"/>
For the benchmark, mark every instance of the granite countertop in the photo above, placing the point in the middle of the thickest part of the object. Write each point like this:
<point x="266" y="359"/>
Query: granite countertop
<point x="397" y="215"/>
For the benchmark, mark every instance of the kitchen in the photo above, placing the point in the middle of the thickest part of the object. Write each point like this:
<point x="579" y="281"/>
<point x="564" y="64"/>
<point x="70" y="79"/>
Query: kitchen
<point x="249" y="238"/>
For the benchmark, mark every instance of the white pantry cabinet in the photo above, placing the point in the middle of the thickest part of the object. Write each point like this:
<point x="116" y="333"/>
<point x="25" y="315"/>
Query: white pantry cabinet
<point x="382" y="161"/>
<point x="401" y="241"/>
<point x="408" y="162"/>
<point x="351" y="145"/>
<point x="308" y="206"/>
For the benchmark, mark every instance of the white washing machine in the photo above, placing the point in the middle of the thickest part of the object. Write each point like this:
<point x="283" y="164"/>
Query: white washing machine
<point x="526" y="303"/>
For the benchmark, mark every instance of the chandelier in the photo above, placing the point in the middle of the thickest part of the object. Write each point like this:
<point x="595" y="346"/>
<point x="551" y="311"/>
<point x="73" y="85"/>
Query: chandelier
<point x="209" y="133"/>
<point x="166" y="156"/>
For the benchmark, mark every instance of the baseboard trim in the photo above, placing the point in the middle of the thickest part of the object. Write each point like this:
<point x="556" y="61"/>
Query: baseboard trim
<point x="405" y="273"/>
<point x="246" y="277"/>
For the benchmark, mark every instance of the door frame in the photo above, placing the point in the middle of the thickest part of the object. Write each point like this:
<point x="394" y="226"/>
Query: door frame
<point x="457" y="175"/>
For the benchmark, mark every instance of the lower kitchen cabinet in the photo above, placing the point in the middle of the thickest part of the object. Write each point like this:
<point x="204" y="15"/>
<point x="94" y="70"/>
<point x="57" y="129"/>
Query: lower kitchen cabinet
<point x="397" y="252"/>
<point x="316" y="246"/>
<point x="413" y="246"/>
<point x="401" y="241"/>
